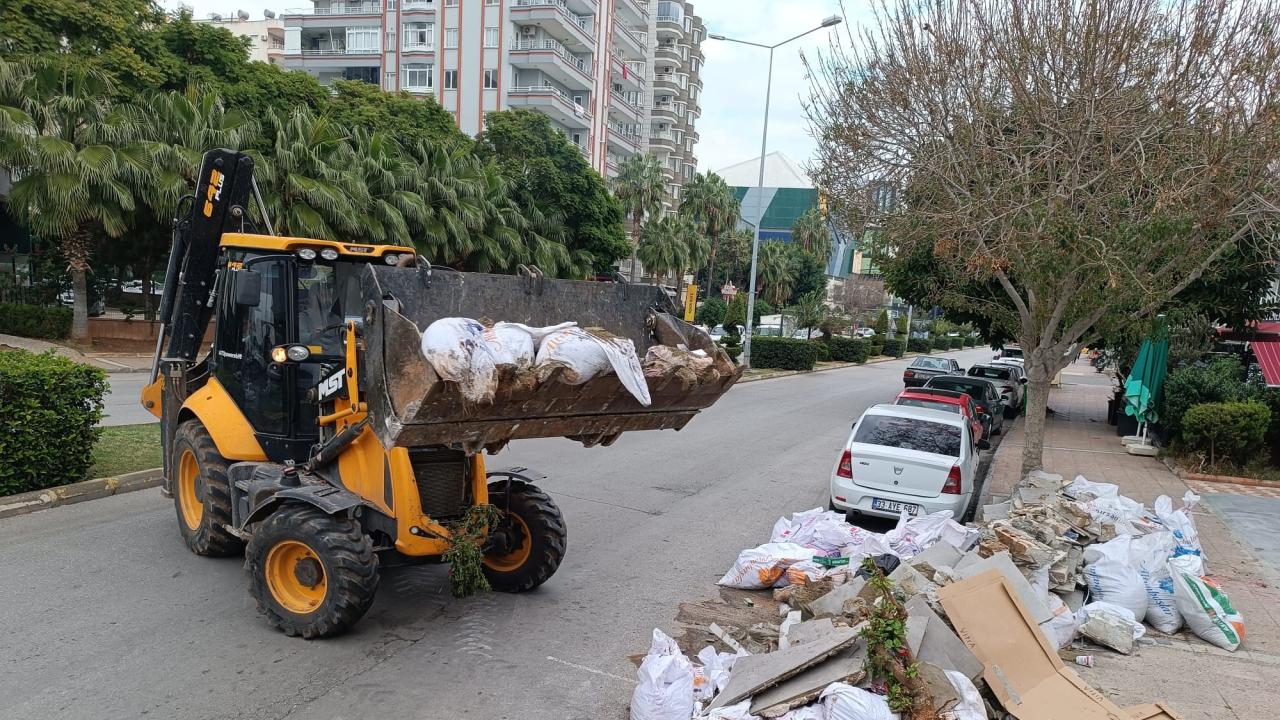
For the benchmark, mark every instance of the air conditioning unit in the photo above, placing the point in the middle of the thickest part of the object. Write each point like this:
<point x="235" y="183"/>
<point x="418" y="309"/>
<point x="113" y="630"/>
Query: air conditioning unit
<point x="528" y="31"/>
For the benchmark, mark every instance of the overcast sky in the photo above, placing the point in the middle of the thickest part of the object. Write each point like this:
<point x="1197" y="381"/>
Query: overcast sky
<point x="733" y="77"/>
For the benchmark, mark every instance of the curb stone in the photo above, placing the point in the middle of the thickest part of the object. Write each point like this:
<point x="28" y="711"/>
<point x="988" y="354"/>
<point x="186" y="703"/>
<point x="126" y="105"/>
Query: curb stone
<point x="870" y="361"/>
<point x="35" y="500"/>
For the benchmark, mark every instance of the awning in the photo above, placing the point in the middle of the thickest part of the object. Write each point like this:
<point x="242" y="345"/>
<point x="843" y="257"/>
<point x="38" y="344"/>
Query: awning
<point x="1268" y="354"/>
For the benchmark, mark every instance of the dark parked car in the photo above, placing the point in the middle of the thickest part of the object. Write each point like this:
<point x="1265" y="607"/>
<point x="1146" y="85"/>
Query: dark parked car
<point x="1010" y="381"/>
<point x="984" y="392"/>
<point x="923" y="368"/>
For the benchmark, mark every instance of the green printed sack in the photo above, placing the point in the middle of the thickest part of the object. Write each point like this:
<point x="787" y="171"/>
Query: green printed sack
<point x="1204" y="606"/>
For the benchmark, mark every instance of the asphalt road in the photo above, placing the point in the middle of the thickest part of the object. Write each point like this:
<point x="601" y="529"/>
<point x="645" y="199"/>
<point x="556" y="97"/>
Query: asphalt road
<point x="121" y="404"/>
<point x="106" y="614"/>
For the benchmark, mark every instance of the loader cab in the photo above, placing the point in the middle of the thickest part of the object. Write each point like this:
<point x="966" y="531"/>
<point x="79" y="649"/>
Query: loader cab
<point x="271" y="299"/>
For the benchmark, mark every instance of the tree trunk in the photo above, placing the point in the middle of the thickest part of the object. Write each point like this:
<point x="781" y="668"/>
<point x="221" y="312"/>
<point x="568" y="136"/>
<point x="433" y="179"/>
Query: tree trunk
<point x="711" y="267"/>
<point x="1041" y="366"/>
<point x="635" y="244"/>
<point x="76" y="249"/>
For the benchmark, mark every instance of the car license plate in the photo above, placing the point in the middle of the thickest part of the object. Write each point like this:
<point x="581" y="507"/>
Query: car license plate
<point x="894" y="506"/>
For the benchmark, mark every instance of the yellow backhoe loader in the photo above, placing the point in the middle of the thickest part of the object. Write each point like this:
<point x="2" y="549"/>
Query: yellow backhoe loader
<point x="313" y="435"/>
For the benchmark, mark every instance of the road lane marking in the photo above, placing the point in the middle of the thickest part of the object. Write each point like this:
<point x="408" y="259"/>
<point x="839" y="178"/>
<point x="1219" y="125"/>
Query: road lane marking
<point x="593" y="671"/>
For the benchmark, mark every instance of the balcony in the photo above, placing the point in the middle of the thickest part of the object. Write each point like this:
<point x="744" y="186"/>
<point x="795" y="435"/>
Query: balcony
<point x="630" y="41"/>
<point x="668" y="51"/>
<point x="624" y="107"/>
<point x="551" y="101"/>
<point x="632" y="77"/>
<point x="337" y="9"/>
<point x="636" y="9"/>
<point x="336" y="52"/>
<point x="669" y="82"/>
<point x="670" y="26"/>
<point x="625" y="140"/>
<point x="417" y="7"/>
<point x="664" y="140"/>
<point x="665" y="112"/>
<point x="554" y="59"/>
<point x="555" y="17"/>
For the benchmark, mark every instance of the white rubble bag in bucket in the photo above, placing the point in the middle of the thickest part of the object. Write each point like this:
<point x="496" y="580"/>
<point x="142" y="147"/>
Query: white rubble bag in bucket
<point x="585" y="354"/>
<point x="665" y="690"/>
<point x="845" y="702"/>
<point x="1204" y="606"/>
<point x="1112" y="577"/>
<point x="517" y="344"/>
<point x="458" y="352"/>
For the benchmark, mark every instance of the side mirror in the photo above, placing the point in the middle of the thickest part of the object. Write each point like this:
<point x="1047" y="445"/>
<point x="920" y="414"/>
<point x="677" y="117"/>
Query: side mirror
<point x="983" y="444"/>
<point x="248" y="288"/>
<point x="1022" y="380"/>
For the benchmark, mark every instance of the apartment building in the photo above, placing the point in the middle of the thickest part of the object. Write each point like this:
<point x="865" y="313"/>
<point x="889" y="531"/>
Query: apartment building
<point x="617" y="77"/>
<point x="266" y="36"/>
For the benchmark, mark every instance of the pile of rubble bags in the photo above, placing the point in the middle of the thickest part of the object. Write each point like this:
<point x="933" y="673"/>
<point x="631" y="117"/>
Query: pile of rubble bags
<point x="473" y="354"/>
<point x="936" y="620"/>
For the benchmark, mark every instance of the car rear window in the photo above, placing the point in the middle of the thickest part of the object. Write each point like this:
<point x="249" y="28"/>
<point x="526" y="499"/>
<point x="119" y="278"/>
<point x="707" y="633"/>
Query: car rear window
<point x="1011" y="352"/>
<point x="930" y="404"/>
<point x="909" y="434"/>
<point x="931" y="364"/>
<point x="990" y="372"/>
<point x="958" y="386"/>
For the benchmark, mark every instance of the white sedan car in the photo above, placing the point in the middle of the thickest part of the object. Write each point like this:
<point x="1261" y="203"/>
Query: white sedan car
<point x="906" y="458"/>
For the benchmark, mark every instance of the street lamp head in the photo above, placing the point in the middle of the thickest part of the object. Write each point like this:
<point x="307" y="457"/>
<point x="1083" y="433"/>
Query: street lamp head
<point x="717" y="36"/>
<point x="831" y="21"/>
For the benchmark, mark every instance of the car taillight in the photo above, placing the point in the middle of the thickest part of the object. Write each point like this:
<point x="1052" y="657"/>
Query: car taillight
<point x="908" y="374"/>
<point x="846" y="465"/>
<point x="952" y="486"/>
<point x="980" y="409"/>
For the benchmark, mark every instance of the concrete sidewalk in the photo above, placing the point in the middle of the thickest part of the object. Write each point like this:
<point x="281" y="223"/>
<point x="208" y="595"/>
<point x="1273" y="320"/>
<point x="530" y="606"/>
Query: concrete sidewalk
<point x="1199" y="680"/>
<point x="110" y="361"/>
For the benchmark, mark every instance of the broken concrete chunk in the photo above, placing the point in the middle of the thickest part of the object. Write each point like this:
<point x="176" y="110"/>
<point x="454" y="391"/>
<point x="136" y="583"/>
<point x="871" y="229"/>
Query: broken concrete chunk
<point x="1109" y="630"/>
<point x="931" y="640"/>
<point x="910" y="580"/>
<point x="940" y="688"/>
<point x="939" y="553"/>
<point x="833" y="602"/>
<point x="848" y="666"/>
<point x="808" y="630"/>
<point x="987" y="548"/>
<point x="999" y="511"/>
<point x="1024" y="548"/>
<point x="754" y="673"/>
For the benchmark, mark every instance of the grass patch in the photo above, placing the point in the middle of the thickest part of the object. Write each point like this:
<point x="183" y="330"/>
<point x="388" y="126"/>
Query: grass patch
<point x="126" y="448"/>
<point x="1199" y="463"/>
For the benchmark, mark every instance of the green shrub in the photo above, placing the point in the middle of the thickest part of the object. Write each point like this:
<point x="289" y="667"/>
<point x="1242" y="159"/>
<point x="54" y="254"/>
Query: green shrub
<point x="35" y="321"/>
<point x="919" y="345"/>
<point x="874" y="350"/>
<point x="893" y="348"/>
<point x="783" y="353"/>
<point x="49" y="410"/>
<point x="1234" y="430"/>
<point x="1218" y="382"/>
<point x="956" y="343"/>
<point x="824" y="349"/>
<point x="941" y="342"/>
<point x="845" y="349"/>
<point x="732" y="345"/>
<point x="712" y="312"/>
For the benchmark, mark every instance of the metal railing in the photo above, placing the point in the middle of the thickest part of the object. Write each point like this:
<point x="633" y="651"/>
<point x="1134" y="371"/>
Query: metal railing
<point x="419" y="47"/>
<point x="563" y="7"/>
<point x="665" y="135"/>
<point x="579" y="110"/>
<point x="629" y="135"/>
<point x="337" y="51"/>
<point x="556" y="47"/>
<point x="637" y="38"/>
<point x="622" y="99"/>
<point x="337" y="9"/>
<point x="671" y="19"/>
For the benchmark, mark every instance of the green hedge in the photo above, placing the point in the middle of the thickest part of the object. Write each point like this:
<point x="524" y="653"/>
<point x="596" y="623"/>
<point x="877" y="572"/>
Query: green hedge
<point x="1221" y="381"/>
<point x="956" y="343"/>
<point x="824" y="350"/>
<point x="919" y="345"/>
<point x="845" y="349"/>
<point x="783" y="353"/>
<point x="893" y="348"/>
<point x="875" y="350"/>
<point x="35" y="321"/>
<point x="49" y="410"/>
<point x="1234" y="430"/>
<point x="732" y="345"/>
<point x="942" y="342"/>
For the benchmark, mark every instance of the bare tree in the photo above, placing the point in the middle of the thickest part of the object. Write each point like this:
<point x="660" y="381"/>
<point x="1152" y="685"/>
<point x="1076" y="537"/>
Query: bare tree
<point x="859" y="293"/>
<point x="1086" y="159"/>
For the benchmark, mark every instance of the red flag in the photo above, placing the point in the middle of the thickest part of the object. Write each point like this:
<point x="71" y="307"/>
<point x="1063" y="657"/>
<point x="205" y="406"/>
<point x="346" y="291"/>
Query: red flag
<point x="625" y="71"/>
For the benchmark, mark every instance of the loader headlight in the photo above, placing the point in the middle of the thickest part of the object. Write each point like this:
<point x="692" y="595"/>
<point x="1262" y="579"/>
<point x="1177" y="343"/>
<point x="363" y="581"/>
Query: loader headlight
<point x="391" y="258"/>
<point x="290" y="353"/>
<point x="307" y="254"/>
<point x="329" y="254"/>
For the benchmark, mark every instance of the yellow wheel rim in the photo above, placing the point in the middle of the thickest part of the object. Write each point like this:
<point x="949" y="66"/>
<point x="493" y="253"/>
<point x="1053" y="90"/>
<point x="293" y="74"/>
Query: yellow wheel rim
<point x="516" y="558"/>
<point x="296" y="577"/>
<point x="188" y="498"/>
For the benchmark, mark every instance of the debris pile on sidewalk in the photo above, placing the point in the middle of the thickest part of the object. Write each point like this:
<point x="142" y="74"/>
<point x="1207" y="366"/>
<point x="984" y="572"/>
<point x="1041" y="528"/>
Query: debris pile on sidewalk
<point x="934" y="619"/>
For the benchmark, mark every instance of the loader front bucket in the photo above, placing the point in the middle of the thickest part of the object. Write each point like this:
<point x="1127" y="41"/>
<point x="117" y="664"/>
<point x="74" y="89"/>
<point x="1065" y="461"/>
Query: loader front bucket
<point x="411" y="406"/>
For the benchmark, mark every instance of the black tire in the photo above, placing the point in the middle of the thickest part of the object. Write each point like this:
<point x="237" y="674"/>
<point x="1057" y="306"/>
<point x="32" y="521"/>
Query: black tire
<point x="350" y="570"/>
<point x="208" y="536"/>
<point x="546" y="537"/>
<point x="1010" y="413"/>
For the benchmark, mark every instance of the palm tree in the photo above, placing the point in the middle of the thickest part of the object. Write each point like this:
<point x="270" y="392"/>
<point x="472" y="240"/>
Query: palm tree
<point x="775" y="273"/>
<point x="698" y="245"/>
<point x="709" y="201"/>
<point x="663" y="248"/>
<point x="78" y="161"/>
<point x="811" y="233"/>
<point x="641" y="185"/>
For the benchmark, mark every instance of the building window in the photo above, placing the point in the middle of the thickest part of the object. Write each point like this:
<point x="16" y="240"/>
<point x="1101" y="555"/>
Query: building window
<point x="391" y="38"/>
<point x="451" y="38"/>
<point x="362" y="40"/>
<point x="491" y="37"/>
<point x="419" y="77"/>
<point x="391" y="80"/>
<point x="391" y="5"/>
<point x="490" y="79"/>
<point x="450" y="3"/>
<point x="450" y="79"/>
<point x="419" y="35"/>
<point x="490" y="2"/>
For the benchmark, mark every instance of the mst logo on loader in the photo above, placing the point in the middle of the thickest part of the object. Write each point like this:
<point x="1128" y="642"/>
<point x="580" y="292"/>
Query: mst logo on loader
<point x="331" y="385"/>
<point x="214" y="192"/>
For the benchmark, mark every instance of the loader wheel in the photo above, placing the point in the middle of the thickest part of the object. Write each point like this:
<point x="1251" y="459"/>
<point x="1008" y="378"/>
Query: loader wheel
<point x="313" y="574"/>
<point x="202" y="493"/>
<point x="529" y="542"/>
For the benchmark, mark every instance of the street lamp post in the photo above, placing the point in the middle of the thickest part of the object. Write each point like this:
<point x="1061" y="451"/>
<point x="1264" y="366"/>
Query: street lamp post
<point x="764" y="139"/>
